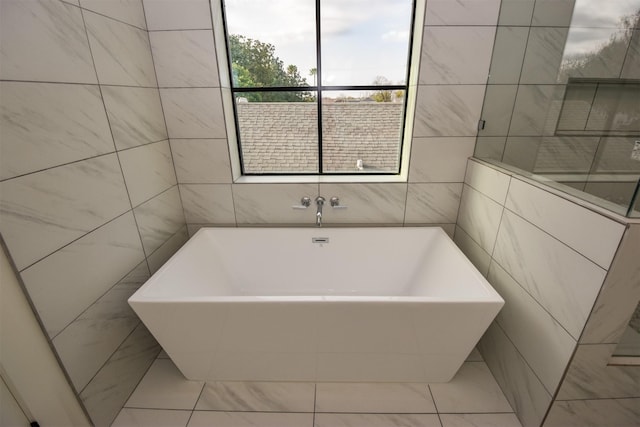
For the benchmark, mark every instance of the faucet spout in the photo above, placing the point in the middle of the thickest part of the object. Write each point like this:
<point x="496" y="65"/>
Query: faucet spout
<point x="320" y="203"/>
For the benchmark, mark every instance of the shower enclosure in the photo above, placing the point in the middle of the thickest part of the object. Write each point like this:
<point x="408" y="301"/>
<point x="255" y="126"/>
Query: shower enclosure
<point x="562" y="104"/>
<point x="563" y="99"/>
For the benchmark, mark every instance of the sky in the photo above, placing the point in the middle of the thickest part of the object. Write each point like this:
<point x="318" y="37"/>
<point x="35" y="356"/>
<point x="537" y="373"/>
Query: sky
<point x="594" y="22"/>
<point x="361" y="39"/>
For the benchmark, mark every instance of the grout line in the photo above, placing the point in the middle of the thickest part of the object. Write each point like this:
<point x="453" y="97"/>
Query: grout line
<point x="60" y="165"/>
<point x="75" y="83"/>
<point x="315" y="399"/>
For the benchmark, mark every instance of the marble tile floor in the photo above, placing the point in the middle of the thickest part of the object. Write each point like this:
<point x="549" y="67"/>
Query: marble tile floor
<point x="165" y="398"/>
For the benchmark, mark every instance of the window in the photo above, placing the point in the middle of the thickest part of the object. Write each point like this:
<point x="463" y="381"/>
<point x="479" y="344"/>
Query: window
<point x="319" y="86"/>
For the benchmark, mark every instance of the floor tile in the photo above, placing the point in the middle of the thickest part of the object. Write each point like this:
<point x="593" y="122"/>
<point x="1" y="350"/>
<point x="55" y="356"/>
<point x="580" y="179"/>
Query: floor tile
<point x="151" y="417"/>
<point x="479" y="420"/>
<point x="376" y="420"/>
<point x="374" y="398"/>
<point x="247" y="419"/>
<point x="257" y="396"/>
<point x="164" y="387"/>
<point x="473" y="389"/>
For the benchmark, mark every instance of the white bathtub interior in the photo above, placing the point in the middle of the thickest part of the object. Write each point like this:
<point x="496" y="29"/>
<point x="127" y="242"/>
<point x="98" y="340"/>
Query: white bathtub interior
<point x="268" y="304"/>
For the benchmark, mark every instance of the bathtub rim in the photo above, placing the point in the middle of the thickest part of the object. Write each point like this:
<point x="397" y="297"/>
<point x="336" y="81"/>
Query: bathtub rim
<point x="490" y="295"/>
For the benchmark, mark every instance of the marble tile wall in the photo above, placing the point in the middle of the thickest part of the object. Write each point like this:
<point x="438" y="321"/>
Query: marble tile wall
<point x="89" y="201"/>
<point x="189" y="54"/>
<point x="551" y="260"/>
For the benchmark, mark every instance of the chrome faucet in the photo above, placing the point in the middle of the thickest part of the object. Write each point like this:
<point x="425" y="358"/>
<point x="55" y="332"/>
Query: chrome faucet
<point x="319" y="202"/>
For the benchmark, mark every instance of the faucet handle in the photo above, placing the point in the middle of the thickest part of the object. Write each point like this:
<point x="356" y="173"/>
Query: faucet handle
<point x="335" y="203"/>
<point x="305" y="202"/>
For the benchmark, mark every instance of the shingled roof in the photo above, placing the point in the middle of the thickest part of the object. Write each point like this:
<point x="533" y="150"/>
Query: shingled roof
<point x="282" y="136"/>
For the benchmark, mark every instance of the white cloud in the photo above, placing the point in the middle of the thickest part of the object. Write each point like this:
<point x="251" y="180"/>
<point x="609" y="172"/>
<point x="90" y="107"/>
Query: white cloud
<point x="396" y="36"/>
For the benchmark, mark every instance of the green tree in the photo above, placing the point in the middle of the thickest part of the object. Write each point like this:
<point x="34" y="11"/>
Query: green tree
<point x="255" y="64"/>
<point x="313" y="73"/>
<point x="383" y="95"/>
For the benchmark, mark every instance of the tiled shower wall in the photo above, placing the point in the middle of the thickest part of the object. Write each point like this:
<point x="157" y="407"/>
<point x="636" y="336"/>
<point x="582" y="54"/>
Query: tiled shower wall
<point x="450" y="89"/>
<point x="552" y="260"/>
<point x="89" y="199"/>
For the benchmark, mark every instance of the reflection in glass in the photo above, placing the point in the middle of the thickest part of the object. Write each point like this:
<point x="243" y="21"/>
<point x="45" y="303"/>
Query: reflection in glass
<point x="271" y="42"/>
<point x="365" y="43"/>
<point x="278" y="137"/>
<point x="629" y="344"/>
<point x="360" y="134"/>
<point x="581" y="132"/>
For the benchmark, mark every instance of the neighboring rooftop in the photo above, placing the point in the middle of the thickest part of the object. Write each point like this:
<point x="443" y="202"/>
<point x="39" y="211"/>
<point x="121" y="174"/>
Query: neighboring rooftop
<point x="282" y="136"/>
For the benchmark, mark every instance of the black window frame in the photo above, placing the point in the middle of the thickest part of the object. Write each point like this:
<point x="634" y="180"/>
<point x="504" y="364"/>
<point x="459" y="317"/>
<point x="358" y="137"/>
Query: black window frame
<point x="318" y="89"/>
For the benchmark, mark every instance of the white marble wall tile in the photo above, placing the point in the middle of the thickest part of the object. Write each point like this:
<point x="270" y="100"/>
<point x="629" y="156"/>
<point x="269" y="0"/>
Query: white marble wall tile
<point x="472" y="390"/>
<point x="566" y="153"/>
<point x="43" y="211"/>
<point x="594" y="413"/>
<point x="135" y="115"/>
<point x="589" y="233"/>
<point x="208" y="203"/>
<point x="55" y="47"/>
<point x="88" y="342"/>
<point x="271" y="203"/>
<point x="129" y="11"/>
<point x="564" y="282"/>
<point x="589" y="376"/>
<point x="122" y="53"/>
<point x="159" y="219"/>
<point x="12" y="414"/>
<point x="257" y="397"/>
<point x="130" y="417"/>
<point x="631" y="67"/>
<point x="201" y="161"/>
<point x="167" y="250"/>
<point x="148" y="170"/>
<point x="516" y="12"/>
<point x="432" y="203"/>
<point x="518" y="382"/>
<point x="522" y="151"/>
<point x="440" y="159"/>
<point x="479" y="217"/>
<point x="448" y="110"/>
<point x="478" y="256"/>
<point x="621" y="290"/>
<point x="552" y="13"/>
<point x="479" y="420"/>
<point x="532" y="115"/>
<point x="367" y="203"/>
<point x="388" y="398"/>
<point x="250" y="419"/>
<point x="376" y="420"/>
<point x="508" y="54"/>
<point x="456" y="55"/>
<point x="108" y="391"/>
<point x="65" y="283"/>
<point x="498" y="108"/>
<point x="487" y="180"/>
<point x="164" y="387"/>
<point x="544" y="55"/>
<point x="490" y="147"/>
<point x="193" y="113"/>
<point x="463" y="12"/>
<point x="539" y="338"/>
<point x="44" y="125"/>
<point x="177" y="14"/>
<point x="185" y="58"/>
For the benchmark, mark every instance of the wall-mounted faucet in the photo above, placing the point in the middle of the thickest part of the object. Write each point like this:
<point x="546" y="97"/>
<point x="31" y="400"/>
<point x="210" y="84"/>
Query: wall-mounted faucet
<point x="305" y="202"/>
<point x="320" y="203"/>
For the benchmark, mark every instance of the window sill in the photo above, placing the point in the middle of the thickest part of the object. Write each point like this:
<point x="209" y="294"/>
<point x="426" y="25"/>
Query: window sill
<point x="318" y="179"/>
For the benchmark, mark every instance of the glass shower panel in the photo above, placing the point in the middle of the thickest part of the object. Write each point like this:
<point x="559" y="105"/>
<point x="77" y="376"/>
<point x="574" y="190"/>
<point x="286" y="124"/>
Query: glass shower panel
<point x="562" y="99"/>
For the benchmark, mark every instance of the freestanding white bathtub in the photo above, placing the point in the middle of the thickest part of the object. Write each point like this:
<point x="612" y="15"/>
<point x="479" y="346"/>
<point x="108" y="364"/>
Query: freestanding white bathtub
<point x="318" y="304"/>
